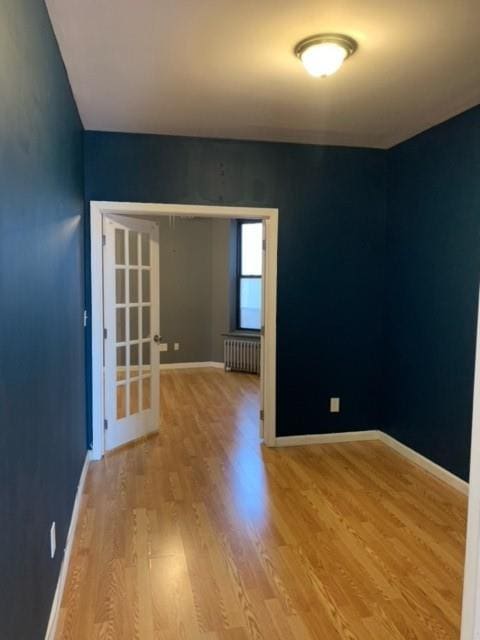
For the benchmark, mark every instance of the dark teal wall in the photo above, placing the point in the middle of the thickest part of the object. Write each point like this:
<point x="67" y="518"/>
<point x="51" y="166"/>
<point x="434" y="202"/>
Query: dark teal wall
<point x="386" y="322"/>
<point x="433" y="248"/>
<point x="42" y="406"/>
<point x="331" y="252"/>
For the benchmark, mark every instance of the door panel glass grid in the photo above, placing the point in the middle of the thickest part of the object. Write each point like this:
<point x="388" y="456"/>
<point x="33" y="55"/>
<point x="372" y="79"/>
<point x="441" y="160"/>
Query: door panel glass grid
<point x="133" y="322"/>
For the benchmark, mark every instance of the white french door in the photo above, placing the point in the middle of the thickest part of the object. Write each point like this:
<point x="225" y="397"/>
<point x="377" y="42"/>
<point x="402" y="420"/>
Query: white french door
<point x="131" y="322"/>
<point x="262" y="331"/>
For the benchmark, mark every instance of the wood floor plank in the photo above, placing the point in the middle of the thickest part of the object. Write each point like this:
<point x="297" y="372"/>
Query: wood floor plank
<point x="200" y="533"/>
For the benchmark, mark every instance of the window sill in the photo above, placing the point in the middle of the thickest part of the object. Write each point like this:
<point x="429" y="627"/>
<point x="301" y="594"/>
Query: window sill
<point x="242" y="333"/>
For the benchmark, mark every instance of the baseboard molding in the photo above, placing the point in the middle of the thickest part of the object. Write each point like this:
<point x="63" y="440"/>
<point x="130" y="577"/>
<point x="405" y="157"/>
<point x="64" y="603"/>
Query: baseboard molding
<point x="326" y="438"/>
<point x="376" y="434"/>
<point x="62" y="577"/>
<point x="428" y="465"/>
<point x="191" y="365"/>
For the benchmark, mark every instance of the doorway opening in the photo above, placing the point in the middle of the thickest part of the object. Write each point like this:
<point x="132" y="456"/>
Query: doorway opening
<point x="125" y="273"/>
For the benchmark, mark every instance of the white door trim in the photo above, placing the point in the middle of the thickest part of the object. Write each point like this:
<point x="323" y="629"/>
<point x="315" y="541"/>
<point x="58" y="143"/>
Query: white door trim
<point x="97" y="210"/>
<point x="471" y="577"/>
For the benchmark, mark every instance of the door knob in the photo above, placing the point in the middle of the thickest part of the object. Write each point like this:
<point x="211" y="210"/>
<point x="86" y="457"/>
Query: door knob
<point x="157" y="338"/>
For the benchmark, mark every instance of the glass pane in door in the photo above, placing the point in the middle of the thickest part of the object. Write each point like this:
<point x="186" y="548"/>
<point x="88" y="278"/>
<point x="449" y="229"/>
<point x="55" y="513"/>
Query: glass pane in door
<point x="145" y="322"/>
<point x="119" y="246"/>
<point x="132" y="247"/>
<point x="133" y="284"/>
<point x="134" y="399"/>
<point x="145" y="250"/>
<point x="146" y="366"/>
<point x="120" y="286"/>
<point x="146" y="384"/>
<point x="121" y="330"/>
<point x="145" y="285"/>
<point x="121" y="363"/>
<point x="121" y="401"/>
<point x="133" y="322"/>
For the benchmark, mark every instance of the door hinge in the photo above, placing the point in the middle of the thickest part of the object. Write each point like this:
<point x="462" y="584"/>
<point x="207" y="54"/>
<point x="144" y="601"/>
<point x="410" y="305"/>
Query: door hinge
<point x="105" y="424"/>
<point x="104" y="239"/>
<point x="262" y="330"/>
<point x="105" y="334"/>
<point x="262" y="414"/>
<point x="264" y="245"/>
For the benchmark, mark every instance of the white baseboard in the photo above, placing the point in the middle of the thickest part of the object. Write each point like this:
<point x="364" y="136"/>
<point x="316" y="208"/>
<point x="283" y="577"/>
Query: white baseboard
<point x="326" y="438"/>
<point x="375" y="434"/>
<point x="427" y="464"/>
<point x="57" y="599"/>
<point x="191" y="365"/>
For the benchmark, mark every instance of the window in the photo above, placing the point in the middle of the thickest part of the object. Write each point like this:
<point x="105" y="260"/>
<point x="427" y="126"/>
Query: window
<point x="249" y="302"/>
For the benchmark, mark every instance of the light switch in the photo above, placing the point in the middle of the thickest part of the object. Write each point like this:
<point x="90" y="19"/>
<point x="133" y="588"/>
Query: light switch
<point x="53" y="540"/>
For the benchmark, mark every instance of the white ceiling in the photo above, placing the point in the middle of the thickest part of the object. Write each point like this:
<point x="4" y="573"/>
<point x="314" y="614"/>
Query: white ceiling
<point x="225" y="68"/>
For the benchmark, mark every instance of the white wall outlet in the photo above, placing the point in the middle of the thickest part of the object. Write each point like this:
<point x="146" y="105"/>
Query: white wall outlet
<point x="53" y="540"/>
<point x="176" y="346"/>
<point x="163" y="346"/>
<point x="334" y="405"/>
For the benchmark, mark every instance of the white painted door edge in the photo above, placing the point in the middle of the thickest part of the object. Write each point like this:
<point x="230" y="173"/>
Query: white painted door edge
<point x="97" y="210"/>
<point x="62" y="577"/>
<point x="471" y="577"/>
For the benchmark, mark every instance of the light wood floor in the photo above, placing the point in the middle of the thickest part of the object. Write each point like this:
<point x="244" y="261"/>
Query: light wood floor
<point x="202" y="533"/>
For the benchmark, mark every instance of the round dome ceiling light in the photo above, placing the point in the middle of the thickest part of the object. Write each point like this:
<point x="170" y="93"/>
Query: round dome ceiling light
<point x="325" y="53"/>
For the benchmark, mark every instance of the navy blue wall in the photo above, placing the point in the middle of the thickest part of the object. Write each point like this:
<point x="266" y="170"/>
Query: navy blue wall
<point x="338" y="266"/>
<point x="42" y="406"/>
<point x="331" y="252"/>
<point x="433" y="275"/>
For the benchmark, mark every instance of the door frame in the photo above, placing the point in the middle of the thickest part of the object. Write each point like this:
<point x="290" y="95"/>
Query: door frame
<point x="97" y="210"/>
<point x="471" y="577"/>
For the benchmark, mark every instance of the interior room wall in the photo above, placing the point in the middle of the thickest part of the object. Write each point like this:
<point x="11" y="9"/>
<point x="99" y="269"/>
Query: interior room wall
<point x="349" y="291"/>
<point x="224" y="284"/>
<point x="433" y="272"/>
<point x="195" y="296"/>
<point x="331" y="253"/>
<point x="42" y="373"/>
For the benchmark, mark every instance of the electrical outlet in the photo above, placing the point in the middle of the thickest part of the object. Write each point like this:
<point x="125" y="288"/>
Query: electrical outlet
<point x="334" y="405"/>
<point x="163" y="346"/>
<point x="53" y="540"/>
<point x="176" y="346"/>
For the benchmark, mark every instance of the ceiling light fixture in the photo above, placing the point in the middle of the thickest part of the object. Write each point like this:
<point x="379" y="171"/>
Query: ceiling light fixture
<point x="325" y="53"/>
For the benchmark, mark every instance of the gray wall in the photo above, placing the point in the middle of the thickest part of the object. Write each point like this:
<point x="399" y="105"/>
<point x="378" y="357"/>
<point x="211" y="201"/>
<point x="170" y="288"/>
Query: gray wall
<point x="196" y="267"/>
<point x="223" y="283"/>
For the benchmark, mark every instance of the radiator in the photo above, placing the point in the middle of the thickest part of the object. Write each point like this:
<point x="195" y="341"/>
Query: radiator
<point x="242" y="355"/>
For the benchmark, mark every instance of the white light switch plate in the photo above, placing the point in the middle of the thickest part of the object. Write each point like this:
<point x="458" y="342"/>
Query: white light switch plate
<point x="176" y="346"/>
<point x="163" y="346"/>
<point x="53" y="540"/>
<point x="334" y="405"/>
